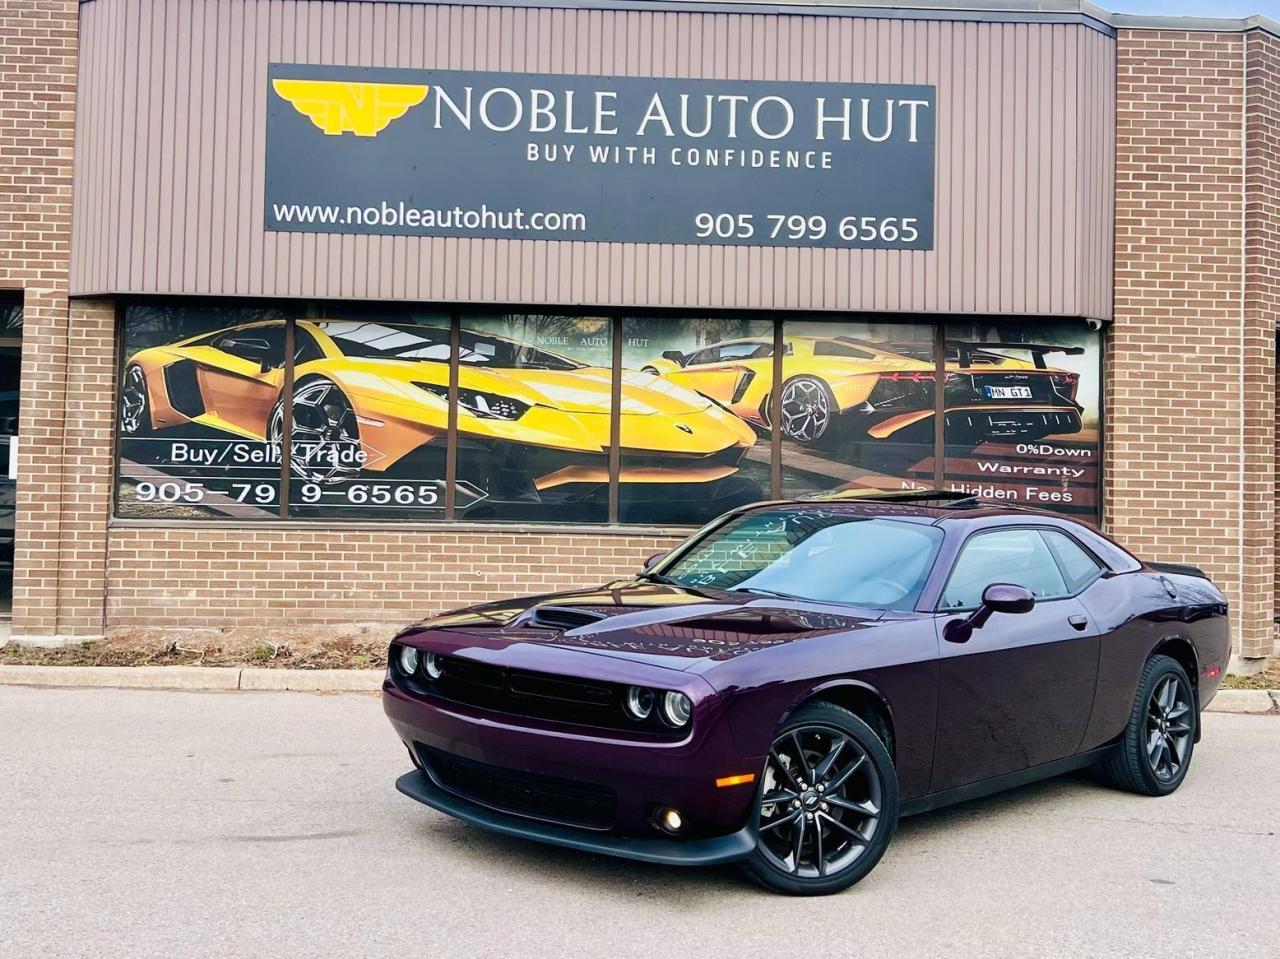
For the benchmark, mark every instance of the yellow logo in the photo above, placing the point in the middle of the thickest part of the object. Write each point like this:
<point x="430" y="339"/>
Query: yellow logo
<point x="336" y="106"/>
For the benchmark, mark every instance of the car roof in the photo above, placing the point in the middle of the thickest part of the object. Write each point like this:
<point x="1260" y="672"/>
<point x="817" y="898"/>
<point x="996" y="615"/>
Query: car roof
<point x="930" y="506"/>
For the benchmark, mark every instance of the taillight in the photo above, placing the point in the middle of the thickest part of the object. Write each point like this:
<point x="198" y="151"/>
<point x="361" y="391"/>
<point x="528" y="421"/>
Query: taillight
<point x="1065" y="383"/>
<point x="912" y="376"/>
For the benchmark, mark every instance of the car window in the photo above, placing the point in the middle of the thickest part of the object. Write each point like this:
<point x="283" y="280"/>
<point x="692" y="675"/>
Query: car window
<point x="710" y="355"/>
<point x="305" y="347"/>
<point x="833" y="348"/>
<point x="1078" y="566"/>
<point x="814" y="553"/>
<point x="1018" y="556"/>
<point x="261" y="344"/>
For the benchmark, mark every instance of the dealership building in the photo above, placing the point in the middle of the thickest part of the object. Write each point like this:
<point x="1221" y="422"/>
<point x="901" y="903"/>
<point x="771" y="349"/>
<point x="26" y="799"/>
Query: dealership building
<point x="320" y="313"/>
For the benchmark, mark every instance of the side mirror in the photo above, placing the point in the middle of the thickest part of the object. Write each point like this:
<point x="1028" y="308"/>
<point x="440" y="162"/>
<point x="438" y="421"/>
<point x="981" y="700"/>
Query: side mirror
<point x="996" y="598"/>
<point x="651" y="562"/>
<point x="675" y="356"/>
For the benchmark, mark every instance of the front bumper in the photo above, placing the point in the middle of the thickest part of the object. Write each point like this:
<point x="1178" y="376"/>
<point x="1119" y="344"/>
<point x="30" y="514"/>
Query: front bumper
<point x="673" y="852"/>
<point x="644" y="774"/>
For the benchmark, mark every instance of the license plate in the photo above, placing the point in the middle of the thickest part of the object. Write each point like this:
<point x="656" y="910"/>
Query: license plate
<point x="1008" y="392"/>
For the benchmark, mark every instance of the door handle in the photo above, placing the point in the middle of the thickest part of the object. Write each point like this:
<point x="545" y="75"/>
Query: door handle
<point x="1078" y="621"/>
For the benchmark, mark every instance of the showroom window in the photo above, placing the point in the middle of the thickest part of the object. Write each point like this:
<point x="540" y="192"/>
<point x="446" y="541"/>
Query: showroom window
<point x="589" y="418"/>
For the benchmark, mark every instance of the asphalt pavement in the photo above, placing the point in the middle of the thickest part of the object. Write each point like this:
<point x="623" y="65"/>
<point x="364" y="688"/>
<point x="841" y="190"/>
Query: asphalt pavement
<point x="146" y="823"/>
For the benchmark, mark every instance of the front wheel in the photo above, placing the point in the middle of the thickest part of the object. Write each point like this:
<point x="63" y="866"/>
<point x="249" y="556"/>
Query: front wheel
<point x="827" y="804"/>
<point x="135" y="403"/>
<point x="325" y="438"/>
<point x="1154" y="753"/>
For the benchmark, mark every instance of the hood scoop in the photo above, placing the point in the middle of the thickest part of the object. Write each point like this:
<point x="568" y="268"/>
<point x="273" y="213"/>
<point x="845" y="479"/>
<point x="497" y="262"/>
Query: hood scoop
<point x="562" y="617"/>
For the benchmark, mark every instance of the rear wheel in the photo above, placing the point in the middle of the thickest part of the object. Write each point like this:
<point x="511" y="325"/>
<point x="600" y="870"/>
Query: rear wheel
<point x="135" y="403"/>
<point x="827" y="804"/>
<point x="808" y="409"/>
<point x="1154" y="753"/>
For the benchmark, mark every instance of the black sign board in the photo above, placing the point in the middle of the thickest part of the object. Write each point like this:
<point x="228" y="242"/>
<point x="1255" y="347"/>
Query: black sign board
<point x="619" y="159"/>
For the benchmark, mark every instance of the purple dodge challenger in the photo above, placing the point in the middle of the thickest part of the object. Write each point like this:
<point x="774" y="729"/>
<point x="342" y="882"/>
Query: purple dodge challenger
<point x="784" y="685"/>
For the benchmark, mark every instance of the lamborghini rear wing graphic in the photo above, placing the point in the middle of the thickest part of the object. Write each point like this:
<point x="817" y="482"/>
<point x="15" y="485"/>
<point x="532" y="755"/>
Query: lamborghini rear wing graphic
<point x="1038" y="351"/>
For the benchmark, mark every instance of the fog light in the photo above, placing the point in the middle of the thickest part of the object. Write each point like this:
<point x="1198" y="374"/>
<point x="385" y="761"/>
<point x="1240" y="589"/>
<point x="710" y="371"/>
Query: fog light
<point x="432" y="666"/>
<point x="670" y="820"/>
<point x="408" y="660"/>
<point x="639" y="702"/>
<point x="676" y="709"/>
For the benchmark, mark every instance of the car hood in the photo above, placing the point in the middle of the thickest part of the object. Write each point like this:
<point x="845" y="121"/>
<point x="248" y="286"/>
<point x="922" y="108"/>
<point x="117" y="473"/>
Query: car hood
<point x="670" y="626"/>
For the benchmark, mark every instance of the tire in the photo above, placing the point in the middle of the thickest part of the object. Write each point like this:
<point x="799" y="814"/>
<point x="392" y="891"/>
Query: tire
<point x="1164" y="713"/>
<point x="809" y="409"/>
<point x="847" y="828"/>
<point x="135" y="403"/>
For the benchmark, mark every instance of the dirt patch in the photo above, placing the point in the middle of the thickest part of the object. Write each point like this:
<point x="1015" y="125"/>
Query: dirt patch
<point x="359" y="647"/>
<point x="1269" y="678"/>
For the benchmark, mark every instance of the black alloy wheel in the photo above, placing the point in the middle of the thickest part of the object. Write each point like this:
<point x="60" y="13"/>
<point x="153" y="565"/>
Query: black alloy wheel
<point x="1154" y="753"/>
<point x="827" y="804"/>
<point x="325" y="433"/>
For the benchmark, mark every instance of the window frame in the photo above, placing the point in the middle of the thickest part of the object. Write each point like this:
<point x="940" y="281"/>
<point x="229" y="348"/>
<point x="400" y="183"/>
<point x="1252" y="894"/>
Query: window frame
<point x="1040" y="529"/>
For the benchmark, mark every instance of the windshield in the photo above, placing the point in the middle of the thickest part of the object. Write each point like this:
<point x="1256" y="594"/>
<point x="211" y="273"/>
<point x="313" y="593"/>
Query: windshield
<point x="379" y="341"/>
<point x="814" y="553"/>
<point x="479" y="350"/>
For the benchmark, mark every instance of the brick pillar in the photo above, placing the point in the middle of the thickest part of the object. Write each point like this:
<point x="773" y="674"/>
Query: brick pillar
<point x="1261" y="318"/>
<point x="37" y="122"/>
<point x="88" y="468"/>
<point x="1190" y="398"/>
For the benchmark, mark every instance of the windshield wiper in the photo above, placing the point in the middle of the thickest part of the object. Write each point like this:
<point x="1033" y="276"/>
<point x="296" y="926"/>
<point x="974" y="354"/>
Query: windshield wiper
<point x="764" y="592"/>
<point x="659" y="578"/>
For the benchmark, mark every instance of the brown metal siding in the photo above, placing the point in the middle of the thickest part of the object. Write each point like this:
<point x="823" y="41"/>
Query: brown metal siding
<point x="169" y="170"/>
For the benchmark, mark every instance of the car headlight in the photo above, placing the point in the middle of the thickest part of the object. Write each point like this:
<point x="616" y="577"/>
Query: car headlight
<point x="639" y="702"/>
<point x="487" y="406"/>
<point x="676" y="709"/>
<point x="408" y="660"/>
<point x="432" y="666"/>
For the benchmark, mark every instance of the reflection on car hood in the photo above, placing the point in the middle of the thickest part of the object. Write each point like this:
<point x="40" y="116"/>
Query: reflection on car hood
<point x="671" y="626"/>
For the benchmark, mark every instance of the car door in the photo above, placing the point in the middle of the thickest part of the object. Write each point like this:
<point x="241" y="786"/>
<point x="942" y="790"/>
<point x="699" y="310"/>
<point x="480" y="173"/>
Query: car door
<point x="240" y="374"/>
<point x="724" y="372"/>
<point x="1019" y="692"/>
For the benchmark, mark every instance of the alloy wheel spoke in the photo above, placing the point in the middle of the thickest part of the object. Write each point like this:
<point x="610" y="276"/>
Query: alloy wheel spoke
<point x="1178" y="711"/>
<point x="861" y="808"/>
<point x="1153" y="746"/>
<point x="804" y="763"/>
<point x="797" y="842"/>
<point x="776" y="757"/>
<point x="818" y="857"/>
<point x="843" y="775"/>
<point x="824" y="767"/>
<point x="845" y="827"/>
<point x="781" y="820"/>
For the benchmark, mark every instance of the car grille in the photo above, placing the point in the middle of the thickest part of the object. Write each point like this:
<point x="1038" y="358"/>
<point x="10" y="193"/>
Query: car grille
<point x="532" y="795"/>
<point x="536" y="695"/>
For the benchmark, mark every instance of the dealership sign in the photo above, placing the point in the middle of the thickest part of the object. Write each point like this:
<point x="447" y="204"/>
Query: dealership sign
<point x="621" y="159"/>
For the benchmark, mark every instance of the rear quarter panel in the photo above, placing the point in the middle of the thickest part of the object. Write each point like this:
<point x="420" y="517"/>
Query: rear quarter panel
<point x="1136" y="615"/>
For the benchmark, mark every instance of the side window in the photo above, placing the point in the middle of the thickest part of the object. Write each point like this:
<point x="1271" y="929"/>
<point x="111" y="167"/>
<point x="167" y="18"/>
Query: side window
<point x="710" y="355"/>
<point x="1018" y="556"/>
<point x="261" y="344"/>
<point x="305" y="347"/>
<point x="1078" y="566"/>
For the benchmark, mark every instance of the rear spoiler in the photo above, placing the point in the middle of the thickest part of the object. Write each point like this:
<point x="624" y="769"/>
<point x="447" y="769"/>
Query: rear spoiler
<point x="1181" y="569"/>
<point x="1037" y="350"/>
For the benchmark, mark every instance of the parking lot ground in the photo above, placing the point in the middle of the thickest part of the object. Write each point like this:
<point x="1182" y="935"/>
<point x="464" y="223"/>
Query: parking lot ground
<point x="146" y="823"/>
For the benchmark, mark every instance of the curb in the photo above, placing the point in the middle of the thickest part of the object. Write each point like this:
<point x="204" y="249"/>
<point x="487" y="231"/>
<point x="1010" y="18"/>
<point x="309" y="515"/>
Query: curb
<point x="1245" y="701"/>
<point x="195" y="677"/>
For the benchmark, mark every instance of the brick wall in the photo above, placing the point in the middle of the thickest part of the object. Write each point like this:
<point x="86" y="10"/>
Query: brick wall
<point x="37" y="76"/>
<point x="1190" y="445"/>
<point x="239" y="576"/>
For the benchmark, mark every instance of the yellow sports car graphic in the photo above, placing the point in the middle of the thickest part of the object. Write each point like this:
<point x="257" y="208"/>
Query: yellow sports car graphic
<point x="371" y="397"/>
<point x="884" y="391"/>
